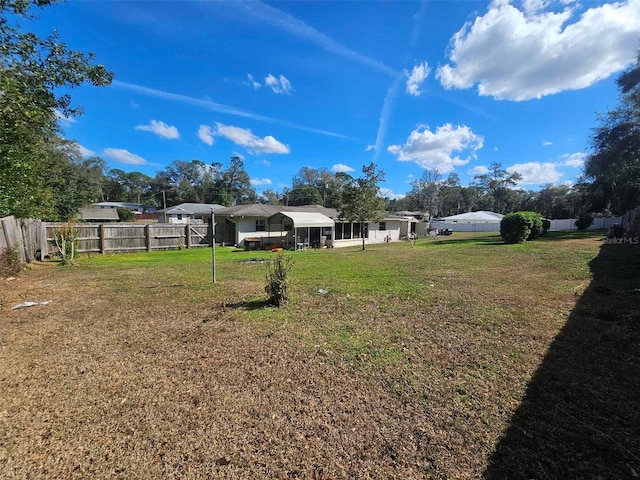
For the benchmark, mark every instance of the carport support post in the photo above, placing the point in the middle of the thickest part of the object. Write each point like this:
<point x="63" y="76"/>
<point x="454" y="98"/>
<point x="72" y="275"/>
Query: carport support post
<point x="213" y="247"/>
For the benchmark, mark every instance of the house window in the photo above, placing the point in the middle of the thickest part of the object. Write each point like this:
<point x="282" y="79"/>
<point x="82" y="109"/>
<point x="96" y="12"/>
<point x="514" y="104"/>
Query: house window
<point x="343" y="231"/>
<point x="361" y="230"/>
<point x="383" y="226"/>
<point x="179" y="216"/>
<point x="260" y="225"/>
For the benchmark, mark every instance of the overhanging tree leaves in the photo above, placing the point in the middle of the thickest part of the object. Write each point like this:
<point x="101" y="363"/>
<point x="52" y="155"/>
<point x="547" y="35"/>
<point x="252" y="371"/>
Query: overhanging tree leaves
<point x="361" y="198"/>
<point x="32" y="69"/>
<point x="613" y="170"/>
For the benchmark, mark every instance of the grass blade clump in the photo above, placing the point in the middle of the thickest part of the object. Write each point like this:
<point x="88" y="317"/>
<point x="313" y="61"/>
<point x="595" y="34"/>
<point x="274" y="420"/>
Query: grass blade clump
<point x="278" y="269"/>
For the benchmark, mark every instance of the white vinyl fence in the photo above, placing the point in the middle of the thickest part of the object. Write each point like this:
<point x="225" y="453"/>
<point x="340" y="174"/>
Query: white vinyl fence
<point x="558" y="224"/>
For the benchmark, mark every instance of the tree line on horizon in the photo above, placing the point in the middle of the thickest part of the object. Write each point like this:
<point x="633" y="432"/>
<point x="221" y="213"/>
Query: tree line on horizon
<point x="43" y="175"/>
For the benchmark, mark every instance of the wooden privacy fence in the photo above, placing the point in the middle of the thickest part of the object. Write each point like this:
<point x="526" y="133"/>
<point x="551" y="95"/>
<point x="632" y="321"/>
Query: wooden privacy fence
<point x="36" y="239"/>
<point x="23" y="234"/>
<point x="126" y="237"/>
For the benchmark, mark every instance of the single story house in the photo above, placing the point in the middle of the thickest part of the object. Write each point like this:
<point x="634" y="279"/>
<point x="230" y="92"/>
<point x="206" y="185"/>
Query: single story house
<point x="93" y="214"/>
<point x="195" y="213"/>
<point x="301" y="227"/>
<point x="136" y="208"/>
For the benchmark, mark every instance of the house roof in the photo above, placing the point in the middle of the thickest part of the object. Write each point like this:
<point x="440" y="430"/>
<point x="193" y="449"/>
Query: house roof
<point x="264" y="211"/>
<point x="100" y="214"/>
<point x="193" y="208"/>
<point x="474" y="217"/>
<point x="304" y="219"/>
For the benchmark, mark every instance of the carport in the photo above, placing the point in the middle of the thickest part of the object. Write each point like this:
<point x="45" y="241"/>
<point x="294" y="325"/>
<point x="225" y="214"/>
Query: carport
<point x="306" y="229"/>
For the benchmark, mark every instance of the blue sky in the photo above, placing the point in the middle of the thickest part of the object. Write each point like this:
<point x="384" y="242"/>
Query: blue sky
<point x="408" y="85"/>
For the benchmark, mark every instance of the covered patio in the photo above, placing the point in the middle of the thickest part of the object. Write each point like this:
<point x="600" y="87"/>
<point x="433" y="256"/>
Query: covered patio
<point x="303" y="229"/>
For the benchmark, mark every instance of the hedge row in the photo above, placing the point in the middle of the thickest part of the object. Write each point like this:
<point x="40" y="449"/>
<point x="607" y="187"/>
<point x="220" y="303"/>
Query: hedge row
<point x="519" y="227"/>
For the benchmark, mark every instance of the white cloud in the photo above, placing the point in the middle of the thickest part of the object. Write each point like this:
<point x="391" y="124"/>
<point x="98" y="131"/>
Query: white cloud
<point x="252" y="83"/>
<point x="536" y="172"/>
<point x="547" y="144"/>
<point x="121" y="155"/>
<point x="260" y="181"/>
<point x="254" y="144"/>
<point x="264" y="162"/>
<point x="280" y="85"/>
<point x="416" y="77"/>
<point x="85" y="152"/>
<point x="219" y="107"/>
<point x="340" y="167"/>
<point x="161" y="129"/>
<point x="64" y="121"/>
<point x="519" y="55"/>
<point x="388" y="193"/>
<point x="479" y="170"/>
<point x="205" y="133"/>
<point x="369" y="148"/>
<point x="385" y="113"/>
<point x="574" y="159"/>
<point x="436" y="149"/>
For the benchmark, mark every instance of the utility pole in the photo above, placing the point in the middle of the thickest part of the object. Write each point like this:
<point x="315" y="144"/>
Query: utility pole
<point x="213" y="246"/>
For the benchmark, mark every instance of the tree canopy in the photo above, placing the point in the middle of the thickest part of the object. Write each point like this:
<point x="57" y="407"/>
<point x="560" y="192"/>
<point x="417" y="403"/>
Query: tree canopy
<point x="613" y="170"/>
<point x="362" y="202"/>
<point x="32" y="69"/>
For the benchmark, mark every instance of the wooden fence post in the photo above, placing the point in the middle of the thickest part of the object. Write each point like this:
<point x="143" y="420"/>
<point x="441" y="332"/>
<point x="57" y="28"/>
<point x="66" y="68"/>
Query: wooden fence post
<point x="102" y="240"/>
<point x="187" y="234"/>
<point x="26" y="240"/>
<point x="147" y="236"/>
<point x="44" y="245"/>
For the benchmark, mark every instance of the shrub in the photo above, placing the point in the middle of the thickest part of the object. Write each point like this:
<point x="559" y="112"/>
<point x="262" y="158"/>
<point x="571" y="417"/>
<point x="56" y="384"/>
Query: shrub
<point x="546" y="225"/>
<point x="66" y="241"/>
<point x="519" y="227"/>
<point x="584" y="221"/>
<point x="10" y="261"/>
<point x="278" y="279"/>
<point x="125" y="215"/>
<point x="535" y="224"/>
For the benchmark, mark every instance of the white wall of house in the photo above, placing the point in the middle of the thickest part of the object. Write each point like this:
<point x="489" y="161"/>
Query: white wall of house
<point x="392" y="229"/>
<point x="246" y="228"/>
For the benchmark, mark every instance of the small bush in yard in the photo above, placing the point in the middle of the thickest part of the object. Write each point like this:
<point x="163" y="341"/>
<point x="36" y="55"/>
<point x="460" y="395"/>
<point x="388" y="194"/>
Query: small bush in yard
<point x="10" y="262"/>
<point x="66" y="238"/>
<point x="278" y="279"/>
<point x="519" y="227"/>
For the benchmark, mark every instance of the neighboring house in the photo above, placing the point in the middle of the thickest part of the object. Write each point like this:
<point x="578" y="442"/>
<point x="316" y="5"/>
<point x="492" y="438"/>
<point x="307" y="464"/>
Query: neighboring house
<point x="301" y="227"/>
<point x="136" y="208"/>
<point x="93" y="214"/>
<point x="195" y="213"/>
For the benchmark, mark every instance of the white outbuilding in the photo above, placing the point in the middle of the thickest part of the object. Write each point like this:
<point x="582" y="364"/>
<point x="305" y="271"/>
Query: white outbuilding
<point x="481" y="221"/>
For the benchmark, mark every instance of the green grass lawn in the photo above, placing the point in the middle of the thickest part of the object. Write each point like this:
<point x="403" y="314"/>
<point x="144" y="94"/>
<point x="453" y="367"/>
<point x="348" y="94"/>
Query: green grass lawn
<point x="413" y="362"/>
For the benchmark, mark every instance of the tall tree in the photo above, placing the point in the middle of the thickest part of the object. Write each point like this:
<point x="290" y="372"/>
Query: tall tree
<point x="32" y="70"/>
<point x="495" y="186"/>
<point x="427" y="191"/>
<point x="613" y="170"/>
<point x="362" y="202"/>
<point x="236" y="181"/>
